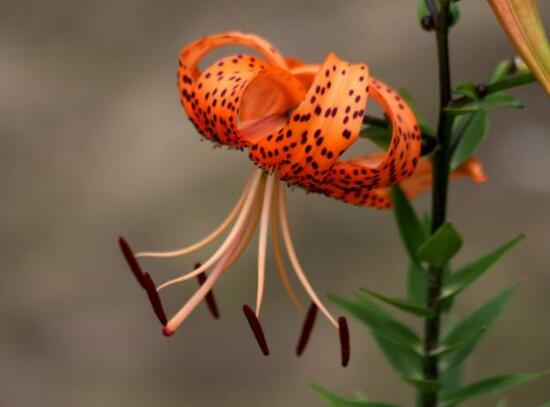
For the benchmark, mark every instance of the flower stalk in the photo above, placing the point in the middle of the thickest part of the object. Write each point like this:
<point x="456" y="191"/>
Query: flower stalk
<point x="441" y="163"/>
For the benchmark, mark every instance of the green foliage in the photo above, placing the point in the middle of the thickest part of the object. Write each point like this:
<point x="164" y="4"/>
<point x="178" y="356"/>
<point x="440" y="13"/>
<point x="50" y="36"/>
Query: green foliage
<point x="410" y="229"/>
<point x="467" y="89"/>
<point x="472" y="328"/>
<point x="467" y="274"/>
<point x="400" y="345"/>
<point x="424" y="385"/>
<point x="470" y="132"/>
<point x="378" y="135"/>
<point x="399" y="303"/>
<point x="439" y="248"/>
<point x="489" y="386"/>
<point x="336" y="400"/>
<point x="493" y="101"/>
<point x="379" y="321"/>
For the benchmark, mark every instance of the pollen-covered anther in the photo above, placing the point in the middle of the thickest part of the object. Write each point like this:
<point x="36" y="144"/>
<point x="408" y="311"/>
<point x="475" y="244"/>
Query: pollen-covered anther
<point x="307" y="328"/>
<point x="256" y="328"/>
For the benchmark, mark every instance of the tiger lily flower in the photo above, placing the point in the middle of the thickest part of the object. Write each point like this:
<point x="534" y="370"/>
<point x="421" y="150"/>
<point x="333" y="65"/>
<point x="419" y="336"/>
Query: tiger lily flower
<point x="521" y="21"/>
<point x="296" y="121"/>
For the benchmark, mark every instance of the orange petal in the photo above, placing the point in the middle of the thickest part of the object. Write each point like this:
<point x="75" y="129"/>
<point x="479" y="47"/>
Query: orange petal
<point x="189" y="76"/>
<point x="322" y="127"/>
<point x="397" y="163"/>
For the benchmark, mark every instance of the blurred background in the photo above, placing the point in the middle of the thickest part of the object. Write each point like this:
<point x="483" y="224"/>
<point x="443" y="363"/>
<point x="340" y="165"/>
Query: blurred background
<point x="95" y="144"/>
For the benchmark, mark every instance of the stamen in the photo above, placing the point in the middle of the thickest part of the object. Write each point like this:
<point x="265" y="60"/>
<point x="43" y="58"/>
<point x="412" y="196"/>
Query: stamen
<point x="294" y="259"/>
<point x="199" y="295"/>
<point x="256" y="329"/>
<point x="235" y="232"/>
<point x="131" y="260"/>
<point x="262" y="241"/>
<point x="276" y="242"/>
<point x="306" y="329"/>
<point x="154" y="298"/>
<point x="214" y="235"/>
<point x="210" y="301"/>
<point x="344" y="340"/>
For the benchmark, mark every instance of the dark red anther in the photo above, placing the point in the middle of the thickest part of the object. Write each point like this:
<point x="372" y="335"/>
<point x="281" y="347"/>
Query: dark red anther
<point x="307" y="327"/>
<point x="210" y="301"/>
<point x="131" y="260"/>
<point x="256" y="329"/>
<point x="154" y="298"/>
<point x="344" y="340"/>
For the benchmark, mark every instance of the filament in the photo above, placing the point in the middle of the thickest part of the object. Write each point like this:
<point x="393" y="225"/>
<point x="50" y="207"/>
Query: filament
<point x="231" y="238"/>
<point x="294" y="260"/>
<point x="276" y="242"/>
<point x="214" y="235"/>
<point x="262" y="241"/>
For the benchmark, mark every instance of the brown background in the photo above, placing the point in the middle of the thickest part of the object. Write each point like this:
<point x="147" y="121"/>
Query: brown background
<point x="94" y="144"/>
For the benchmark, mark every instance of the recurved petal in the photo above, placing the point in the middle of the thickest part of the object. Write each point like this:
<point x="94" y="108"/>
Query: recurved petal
<point x="399" y="161"/>
<point x="322" y="127"/>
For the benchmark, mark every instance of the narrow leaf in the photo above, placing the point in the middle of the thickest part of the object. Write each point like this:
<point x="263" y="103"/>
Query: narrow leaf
<point x="410" y="229"/>
<point x="424" y="385"/>
<point x="441" y="246"/>
<point x="399" y="303"/>
<point x="452" y="379"/>
<point x="470" y="133"/>
<point x="403" y="360"/>
<point x="469" y="273"/>
<point x="479" y="319"/>
<point x="494" y="101"/>
<point x="468" y="90"/>
<point x="489" y="386"/>
<point x="339" y="401"/>
<point x="446" y="349"/>
<point x="379" y="321"/>
<point x="416" y="283"/>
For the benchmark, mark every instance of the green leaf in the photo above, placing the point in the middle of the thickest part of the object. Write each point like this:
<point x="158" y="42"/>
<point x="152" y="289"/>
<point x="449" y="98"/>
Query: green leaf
<point x="379" y="136"/>
<point x="410" y="229"/>
<point x="547" y="404"/>
<point x="503" y="69"/>
<point x="339" y="401"/>
<point x="417" y="279"/>
<point x="470" y="132"/>
<point x="502" y="403"/>
<point x="399" y="344"/>
<point x="424" y="385"/>
<point x="493" y="101"/>
<point x="446" y="349"/>
<point x="467" y="274"/>
<point x="379" y="321"/>
<point x="399" y="303"/>
<point x="451" y="379"/>
<point x="441" y="246"/>
<point x="479" y="319"/>
<point x="489" y="386"/>
<point x="424" y="126"/>
<point x="403" y="360"/>
<point x="468" y="90"/>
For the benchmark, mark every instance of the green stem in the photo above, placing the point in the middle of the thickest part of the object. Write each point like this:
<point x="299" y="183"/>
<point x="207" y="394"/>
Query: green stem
<point x="441" y="160"/>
